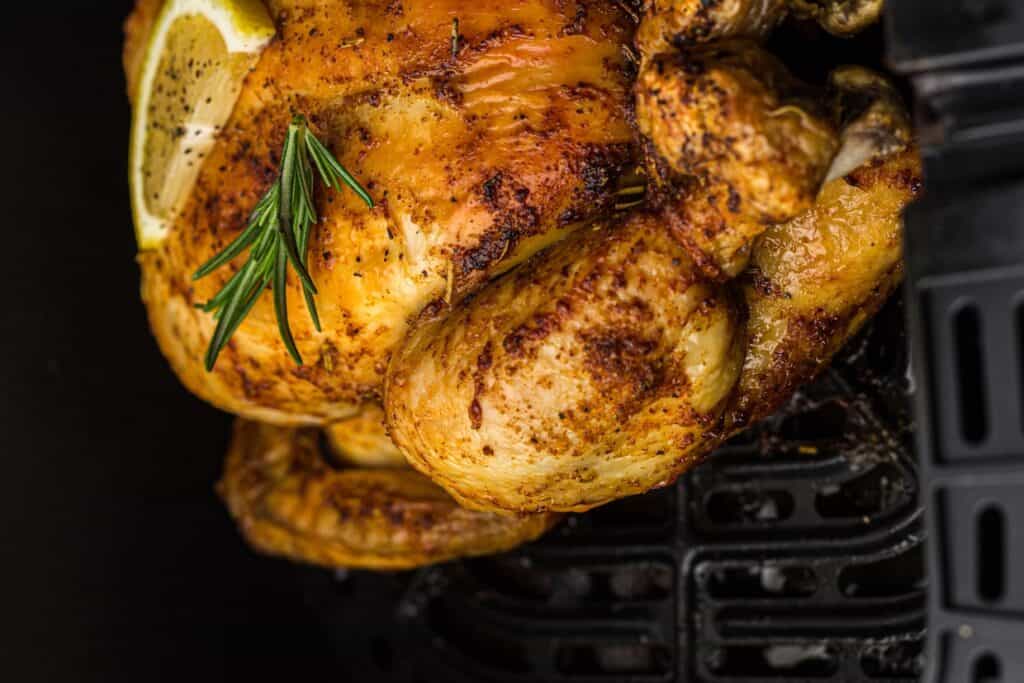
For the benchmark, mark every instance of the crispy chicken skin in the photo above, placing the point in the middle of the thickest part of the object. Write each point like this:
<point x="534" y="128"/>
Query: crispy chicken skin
<point x="363" y="441"/>
<point x="840" y="17"/>
<point x="815" y="280"/>
<point x="476" y="161"/>
<point x="671" y="24"/>
<point x="608" y="366"/>
<point x="668" y="24"/>
<point x="735" y="142"/>
<point x="569" y="382"/>
<point x="289" y="500"/>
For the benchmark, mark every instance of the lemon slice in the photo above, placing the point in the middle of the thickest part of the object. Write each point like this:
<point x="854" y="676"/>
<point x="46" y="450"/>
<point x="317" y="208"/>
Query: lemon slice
<point x="198" y="54"/>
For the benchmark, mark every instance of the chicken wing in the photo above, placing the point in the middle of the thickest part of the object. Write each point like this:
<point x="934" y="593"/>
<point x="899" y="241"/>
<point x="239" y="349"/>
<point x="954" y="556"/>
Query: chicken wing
<point x="814" y="281"/>
<point x="479" y="150"/>
<point x="289" y="500"/>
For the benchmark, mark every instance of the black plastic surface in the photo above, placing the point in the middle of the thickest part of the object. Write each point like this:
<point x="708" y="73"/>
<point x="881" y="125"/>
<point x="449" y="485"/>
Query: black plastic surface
<point x="967" y="326"/>
<point x="941" y="34"/>
<point x="965" y="294"/>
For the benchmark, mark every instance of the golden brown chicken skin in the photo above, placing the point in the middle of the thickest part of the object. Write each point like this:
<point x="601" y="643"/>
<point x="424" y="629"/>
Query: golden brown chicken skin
<point x="476" y="159"/>
<point x="582" y="377"/>
<point x="290" y="500"/>
<point x="363" y="440"/>
<point x="816" y="279"/>
<point x="671" y="24"/>
<point x="840" y="17"/>
<point x="734" y="142"/>
<point x="609" y="365"/>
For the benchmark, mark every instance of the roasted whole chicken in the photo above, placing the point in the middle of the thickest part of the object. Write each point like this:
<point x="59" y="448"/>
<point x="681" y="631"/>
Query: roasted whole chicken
<point x="607" y="238"/>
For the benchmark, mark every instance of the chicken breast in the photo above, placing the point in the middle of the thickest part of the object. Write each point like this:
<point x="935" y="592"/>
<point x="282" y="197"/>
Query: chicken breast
<point x="479" y="150"/>
<point x="289" y="500"/>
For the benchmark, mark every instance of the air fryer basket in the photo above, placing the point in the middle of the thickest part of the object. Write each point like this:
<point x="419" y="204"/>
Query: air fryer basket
<point x="797" y="552"/>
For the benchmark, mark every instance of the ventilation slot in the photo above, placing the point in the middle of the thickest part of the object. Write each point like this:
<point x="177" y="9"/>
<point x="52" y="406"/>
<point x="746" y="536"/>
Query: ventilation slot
<point x="991" y="539"/>
<point x="987" y="669"/>
<point x="900" y="660"/>
<point x="785" y="662"/>
<point x="759" y="581"/>
<point x="652" y="510"/>
<point x="878" y="490"/>
<point x="506" y="576"/>
<point x="891" y="577"/>
<point x="749" y="506"/>
<point x="476" y="643"/>
<point x="1019" y="316"/>
<point x="970" y="372"/>
<point x="826" y="422"/>
<point x="613" y="659"/>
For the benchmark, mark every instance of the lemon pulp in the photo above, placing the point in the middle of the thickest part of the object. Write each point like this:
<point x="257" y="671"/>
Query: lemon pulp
<point x="198" y="55"/>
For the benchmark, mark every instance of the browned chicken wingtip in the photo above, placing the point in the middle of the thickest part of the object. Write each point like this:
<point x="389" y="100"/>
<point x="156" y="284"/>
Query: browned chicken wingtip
<point x="669" y="24"/>
<point x="290" y="500"/>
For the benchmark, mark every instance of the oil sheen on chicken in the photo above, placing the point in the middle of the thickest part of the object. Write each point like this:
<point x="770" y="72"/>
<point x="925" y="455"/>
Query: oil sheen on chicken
<point x="479" y="152"/>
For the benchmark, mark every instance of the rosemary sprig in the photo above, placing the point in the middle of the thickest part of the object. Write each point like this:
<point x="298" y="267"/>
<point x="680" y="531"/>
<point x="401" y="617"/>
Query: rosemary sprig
<point x="277" y="235"/>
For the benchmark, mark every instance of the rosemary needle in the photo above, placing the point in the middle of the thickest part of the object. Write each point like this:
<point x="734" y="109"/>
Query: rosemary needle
<point x="276" y="236"/>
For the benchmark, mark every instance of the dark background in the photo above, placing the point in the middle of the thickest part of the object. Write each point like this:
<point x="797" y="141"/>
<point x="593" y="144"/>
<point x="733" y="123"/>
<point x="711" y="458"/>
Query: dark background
<point x="119" y="562"/>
